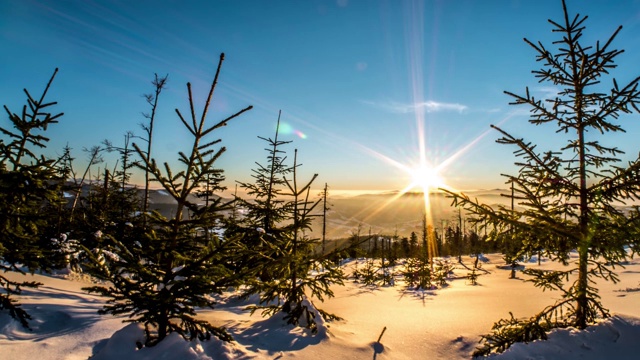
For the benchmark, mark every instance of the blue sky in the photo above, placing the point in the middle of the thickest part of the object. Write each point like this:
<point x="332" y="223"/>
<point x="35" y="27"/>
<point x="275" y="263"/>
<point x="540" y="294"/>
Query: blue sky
<point x="363" y="80"/>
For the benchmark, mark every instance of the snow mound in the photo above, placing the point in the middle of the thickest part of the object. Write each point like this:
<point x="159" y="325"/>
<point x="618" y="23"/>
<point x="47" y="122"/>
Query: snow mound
<point x="613" y="338"/>
<point x="123" y="346"/>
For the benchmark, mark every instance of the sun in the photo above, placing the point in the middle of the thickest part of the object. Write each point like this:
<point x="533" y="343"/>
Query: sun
<point x="425" y="178"/>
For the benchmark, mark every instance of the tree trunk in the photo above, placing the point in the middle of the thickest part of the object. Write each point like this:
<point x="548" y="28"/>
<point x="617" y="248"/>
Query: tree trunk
<point x="583" y="246"/>
<point x="163" y="324"/>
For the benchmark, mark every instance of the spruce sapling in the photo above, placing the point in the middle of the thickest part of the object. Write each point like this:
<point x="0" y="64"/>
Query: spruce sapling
<point x="29" y="187"/>
<point x="172" y="268"/>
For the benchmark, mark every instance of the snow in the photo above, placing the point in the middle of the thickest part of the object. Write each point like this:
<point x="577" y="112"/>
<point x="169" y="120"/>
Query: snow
<point x="443" y="323"/>
<point x="615" y="338"/>
<point x="122" y="346"/>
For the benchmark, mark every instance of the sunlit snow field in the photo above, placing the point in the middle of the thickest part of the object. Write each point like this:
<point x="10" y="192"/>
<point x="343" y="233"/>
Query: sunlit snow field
<point x="445" y="323"/>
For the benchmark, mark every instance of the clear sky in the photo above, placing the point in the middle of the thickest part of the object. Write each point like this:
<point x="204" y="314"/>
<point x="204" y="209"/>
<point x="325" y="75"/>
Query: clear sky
<point x="359" y="82"/>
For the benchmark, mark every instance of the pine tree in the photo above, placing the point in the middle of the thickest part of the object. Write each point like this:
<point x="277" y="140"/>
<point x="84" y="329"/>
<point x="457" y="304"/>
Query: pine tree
<point x="161" y="275"/>
<point x="159" y="83"/>
<point x="267" y="209"/>
<point x="355" y="249"/>
<point x="94" y="155"/>
<point x="29" y="186"/>
<point x="284" y="256"/>
<point x="122" y="201"/>
<point x="567" y="197"/>
<point x="107" y="205"/>
<point x="413" y="244"/>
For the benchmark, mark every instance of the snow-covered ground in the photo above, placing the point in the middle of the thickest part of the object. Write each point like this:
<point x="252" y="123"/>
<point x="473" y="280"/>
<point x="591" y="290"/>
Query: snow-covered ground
<point x="439" y="324"/>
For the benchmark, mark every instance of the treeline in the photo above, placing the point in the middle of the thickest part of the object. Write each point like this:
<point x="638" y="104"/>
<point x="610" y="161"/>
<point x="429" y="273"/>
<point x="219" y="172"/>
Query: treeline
<point x="453" y="242"/>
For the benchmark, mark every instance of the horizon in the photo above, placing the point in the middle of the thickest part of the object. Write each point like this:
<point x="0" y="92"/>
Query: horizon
<point x="371" y="93"/>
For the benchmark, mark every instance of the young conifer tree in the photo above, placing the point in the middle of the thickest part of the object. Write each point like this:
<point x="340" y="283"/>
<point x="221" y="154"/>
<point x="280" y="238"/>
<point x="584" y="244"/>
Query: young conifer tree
<point x="284" y="257"/>
<point x="159" y="83"/>
<point x="29" y="185"/>
<point x="567" y="197"/>
<point x="108" y="205"/>
<point x="122" y="202"/>
<point x="171" y="270"/>
<point x="269" y="208"/>
<point x="94" y="157"/>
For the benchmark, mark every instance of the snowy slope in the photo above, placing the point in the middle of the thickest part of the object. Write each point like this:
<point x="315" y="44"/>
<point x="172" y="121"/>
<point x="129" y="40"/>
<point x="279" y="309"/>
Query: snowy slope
<point x="438" y="324"/>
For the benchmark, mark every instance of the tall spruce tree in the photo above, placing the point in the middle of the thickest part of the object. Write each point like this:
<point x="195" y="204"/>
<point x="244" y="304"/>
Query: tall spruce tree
<point x="169" y="271"/>
<point x="29" y="185"/>
<point x="567" y="197"/>
<point x="284" y="258"/>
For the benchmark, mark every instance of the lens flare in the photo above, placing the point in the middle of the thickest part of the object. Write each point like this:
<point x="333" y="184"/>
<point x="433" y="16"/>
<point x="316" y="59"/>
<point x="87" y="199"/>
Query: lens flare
<point x="287" y="129"/>
<point x="423" y="173"/>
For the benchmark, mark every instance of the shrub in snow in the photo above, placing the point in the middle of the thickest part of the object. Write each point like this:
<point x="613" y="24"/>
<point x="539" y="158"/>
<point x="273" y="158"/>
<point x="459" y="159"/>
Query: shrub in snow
<point x="473" y="276"/>
<point x="369" y="273"/>
<point x="68" y="251"/>
<point x="441" y="272"/>
<point x="417" y="273"/>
